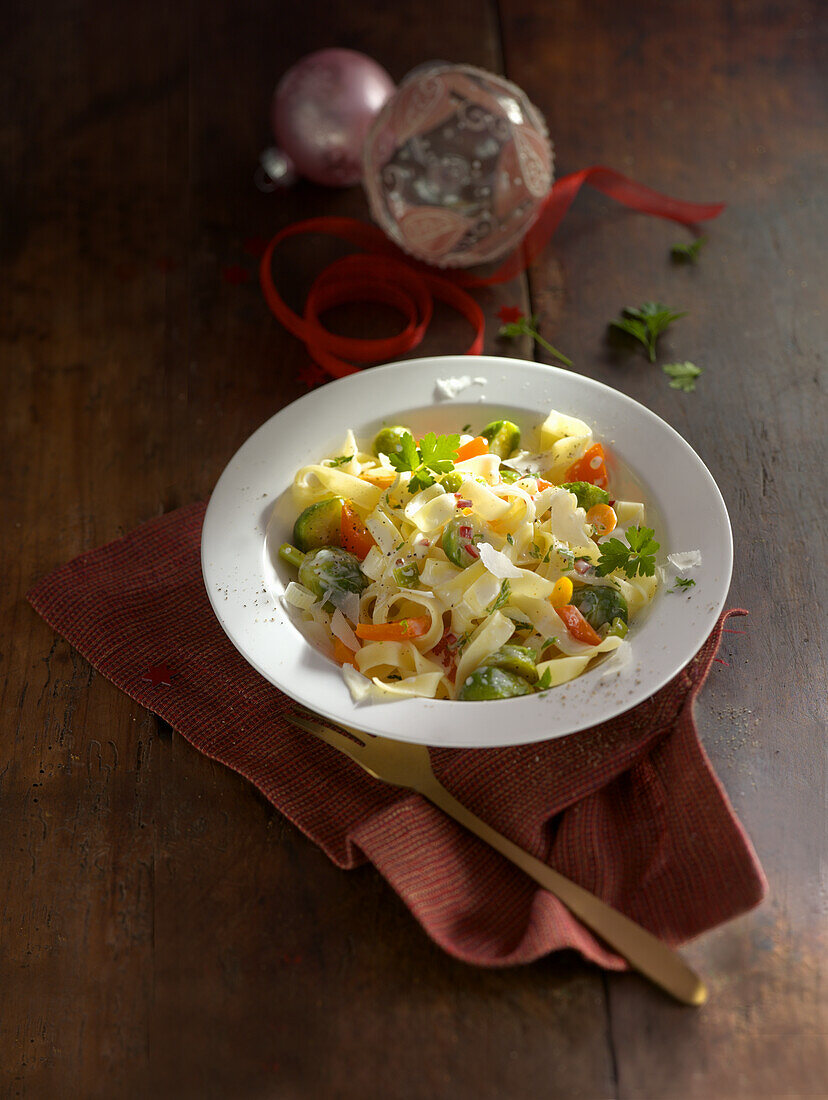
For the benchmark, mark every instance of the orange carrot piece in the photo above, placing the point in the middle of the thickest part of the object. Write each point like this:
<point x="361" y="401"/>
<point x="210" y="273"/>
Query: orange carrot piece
<point x="590" y="467"/>
<point x="577" y="625"/>
<point x="353" y="534"/>
<point x="475" y="447"/>
<point x="394" y="632"/>
<point x="342" y="655"/>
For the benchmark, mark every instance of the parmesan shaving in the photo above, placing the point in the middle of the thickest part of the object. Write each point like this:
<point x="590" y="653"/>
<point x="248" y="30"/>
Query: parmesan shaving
<point x="340" y="629"/>
<point x="497" y="563"/>
<point x="686" y="559"/>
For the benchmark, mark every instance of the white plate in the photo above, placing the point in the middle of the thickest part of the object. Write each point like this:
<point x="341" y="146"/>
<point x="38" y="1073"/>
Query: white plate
<point x="683" y="503"/>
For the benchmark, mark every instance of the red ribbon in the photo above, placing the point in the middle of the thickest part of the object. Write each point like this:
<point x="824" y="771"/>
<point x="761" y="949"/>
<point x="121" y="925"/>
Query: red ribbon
<point x="380" y="272"/>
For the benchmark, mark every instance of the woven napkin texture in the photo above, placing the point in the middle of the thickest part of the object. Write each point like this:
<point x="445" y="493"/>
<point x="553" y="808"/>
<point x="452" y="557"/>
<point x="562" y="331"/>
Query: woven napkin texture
<point x="630" y="809"/>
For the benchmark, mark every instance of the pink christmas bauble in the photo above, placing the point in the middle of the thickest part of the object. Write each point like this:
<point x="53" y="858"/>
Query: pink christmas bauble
<point x="457" y="165"/>
<point x="322" y="110"/>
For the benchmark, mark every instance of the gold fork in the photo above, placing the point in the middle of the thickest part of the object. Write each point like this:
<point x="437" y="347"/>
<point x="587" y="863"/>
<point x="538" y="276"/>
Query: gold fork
<point x="408" y="765"/>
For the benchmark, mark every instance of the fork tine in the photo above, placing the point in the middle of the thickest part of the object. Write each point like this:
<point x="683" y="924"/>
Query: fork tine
<point x="333" y="738"/>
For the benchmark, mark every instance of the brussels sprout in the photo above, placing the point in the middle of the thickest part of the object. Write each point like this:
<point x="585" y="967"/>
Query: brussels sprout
<point x="389" y="440"/>
<point x="588" y="495"/>
<point x="600" y="604"/>
<point x="452" y="481"/>
<point x="503" y="437"/>
<point x="458" y="535"/>
<point x="319" y="524"/>
<point x="332" y="573"/>
<point x="487" y="682"/>
<point x="519" y="659"/>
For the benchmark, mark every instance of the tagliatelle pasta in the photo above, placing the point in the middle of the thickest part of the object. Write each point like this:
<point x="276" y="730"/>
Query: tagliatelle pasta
<point x="504" y="574"/>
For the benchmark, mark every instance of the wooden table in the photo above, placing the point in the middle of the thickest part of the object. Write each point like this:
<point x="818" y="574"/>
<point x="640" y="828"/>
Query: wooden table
<point x="165" y="932"/>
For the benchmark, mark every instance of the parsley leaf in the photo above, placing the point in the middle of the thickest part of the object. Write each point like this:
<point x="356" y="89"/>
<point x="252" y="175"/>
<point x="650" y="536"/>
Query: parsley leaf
<point x="436" y="455"/>
<point x="339" y="460"/>
<point x="545" y="681"/>
<point x="646" y="323"/>
<point x="683" y="375"/>
<point x="687" y="253"/>
<point x="501" y="599"/>
<point x="682" y="582"/>
<point x="637" y="557"/>
<point x="528" y="326"/>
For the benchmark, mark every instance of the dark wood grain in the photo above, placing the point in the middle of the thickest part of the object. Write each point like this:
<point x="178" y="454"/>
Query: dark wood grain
<point x="164" y="932"/>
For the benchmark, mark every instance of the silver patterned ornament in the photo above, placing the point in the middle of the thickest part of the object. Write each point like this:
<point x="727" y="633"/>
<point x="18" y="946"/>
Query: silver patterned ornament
<point x="457" y="165"/>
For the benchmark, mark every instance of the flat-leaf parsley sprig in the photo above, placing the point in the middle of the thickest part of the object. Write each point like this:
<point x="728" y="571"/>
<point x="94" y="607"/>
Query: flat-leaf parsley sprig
<point x="646" y="323"/>
<point x="435" y="455"/>
<point x="637" y="557"/>
<point x="516" y="323"/>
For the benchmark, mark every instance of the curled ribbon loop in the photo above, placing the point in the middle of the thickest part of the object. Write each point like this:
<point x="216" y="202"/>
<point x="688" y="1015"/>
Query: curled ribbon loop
<point x="380" y="272"/>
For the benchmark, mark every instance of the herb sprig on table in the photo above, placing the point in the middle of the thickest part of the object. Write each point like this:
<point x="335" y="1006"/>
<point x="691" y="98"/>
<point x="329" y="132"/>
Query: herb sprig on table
<point x="646" y="323"/>
<point x="516" y="323"/>
<point x="435" y="455"/>
<point x="688" y="253"/>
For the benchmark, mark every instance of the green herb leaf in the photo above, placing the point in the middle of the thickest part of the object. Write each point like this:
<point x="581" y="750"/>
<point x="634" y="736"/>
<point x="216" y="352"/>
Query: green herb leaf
<point x="687" y="253"/>
<point x="646" y="323"/>
<point x="339" y="460"/>
<point x="545" y="681"/>
<point x="682" y="582"/>
<point x="408" y="458"/>
<point x="501" y="599"/>
<point x="528" y="326"/>
<point x="637" y="557"/>
<point x="509" y="539"/>
<point x="436" y="455"/>
<point x="683" y="375"/>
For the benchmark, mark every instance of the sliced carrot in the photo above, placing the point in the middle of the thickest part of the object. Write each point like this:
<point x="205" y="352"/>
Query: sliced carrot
<point x="477" y="446"/>
<point x="590" y="467"/>
<point x="543" y="484"/>
<point x="342" y="655"/>
<point x="602" y="518"/>
<point x="394" y="632"/>
<point x="577" y="625"/>
<point x="354" y="535"/>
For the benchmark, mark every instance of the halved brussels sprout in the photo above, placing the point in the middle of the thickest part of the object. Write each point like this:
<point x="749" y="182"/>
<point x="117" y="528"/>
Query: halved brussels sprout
<point x="519" y="659"/>
<point x="319" y="524"/>
<point x="503" y="437"/>
<point x="600" y="605"/>
<point x="488" y="682"/>
<point x="587" y="495"/>
<point x="332" y="573"/>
